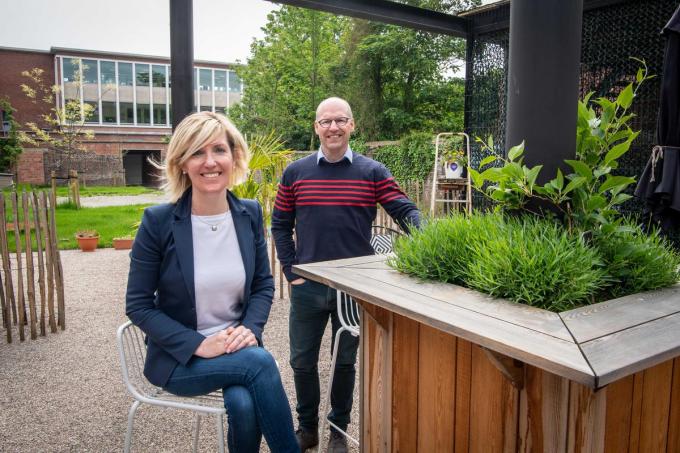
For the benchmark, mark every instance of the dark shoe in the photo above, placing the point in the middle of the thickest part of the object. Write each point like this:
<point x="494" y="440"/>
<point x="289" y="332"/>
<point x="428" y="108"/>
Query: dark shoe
<point x="307" y="439"/>
<point x="337" y="443"/>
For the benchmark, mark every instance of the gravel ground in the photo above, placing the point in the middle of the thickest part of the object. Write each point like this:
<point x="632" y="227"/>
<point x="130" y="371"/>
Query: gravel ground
<point x="118" y="200"/>
<point x="64" y="392"/>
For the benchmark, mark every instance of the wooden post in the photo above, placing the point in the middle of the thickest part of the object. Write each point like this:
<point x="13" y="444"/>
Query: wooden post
<point x="49" y="262"/>
<point x="39" y="228"/>
<point x="30" y="280"/>
<point x="21" y="308"/>
<point x="7" y="270"/>
<point x="75" y="189"/>
<point x="53" y="181"/>
<point x="58" y="270"/>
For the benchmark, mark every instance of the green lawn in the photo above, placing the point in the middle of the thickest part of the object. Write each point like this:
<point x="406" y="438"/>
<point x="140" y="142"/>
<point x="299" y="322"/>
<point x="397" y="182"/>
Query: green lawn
<point x="109" y="222"/>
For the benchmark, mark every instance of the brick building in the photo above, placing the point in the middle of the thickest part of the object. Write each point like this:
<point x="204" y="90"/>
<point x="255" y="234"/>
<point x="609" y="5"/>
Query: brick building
<point x="132" y="110"/>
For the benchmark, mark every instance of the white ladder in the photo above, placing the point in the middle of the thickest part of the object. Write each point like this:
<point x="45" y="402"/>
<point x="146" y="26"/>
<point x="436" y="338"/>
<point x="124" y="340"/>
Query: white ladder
<point x="460" y="189"/>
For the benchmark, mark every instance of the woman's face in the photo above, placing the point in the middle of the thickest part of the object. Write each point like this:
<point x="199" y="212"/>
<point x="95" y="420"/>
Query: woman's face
<point x="210" y="168"/>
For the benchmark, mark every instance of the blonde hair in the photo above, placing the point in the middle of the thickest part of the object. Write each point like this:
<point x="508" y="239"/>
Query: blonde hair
<point x="192" y="134"/>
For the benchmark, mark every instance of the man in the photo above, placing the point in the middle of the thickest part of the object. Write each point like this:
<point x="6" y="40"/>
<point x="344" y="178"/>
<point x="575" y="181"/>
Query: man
<point x="329" y="198"/>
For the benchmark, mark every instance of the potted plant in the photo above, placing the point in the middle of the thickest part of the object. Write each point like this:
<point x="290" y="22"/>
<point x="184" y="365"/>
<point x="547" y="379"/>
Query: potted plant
<point x="87" y="240"/>
<point x="454" y="160"/>
<point x="123" y="242"/>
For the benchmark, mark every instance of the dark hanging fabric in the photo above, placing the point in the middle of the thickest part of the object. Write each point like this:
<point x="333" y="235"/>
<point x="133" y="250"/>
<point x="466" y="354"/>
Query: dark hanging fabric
<point x="659" y="186"/>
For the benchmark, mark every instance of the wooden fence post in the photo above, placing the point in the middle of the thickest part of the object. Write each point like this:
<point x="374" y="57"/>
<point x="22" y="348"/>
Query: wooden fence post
<point x="41" y="263"/>
<point x="49" y="262"/>
<point x="58" y="271"/>
<point x="21" y="308"/>
<point x="30" y="280"/>
<point x="7" y="271"/>
<point x="53" y="182"/>
<point x="74" y="186"/>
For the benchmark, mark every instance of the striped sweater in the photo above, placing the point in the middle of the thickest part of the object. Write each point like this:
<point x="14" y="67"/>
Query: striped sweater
<point x="331" y="207"/>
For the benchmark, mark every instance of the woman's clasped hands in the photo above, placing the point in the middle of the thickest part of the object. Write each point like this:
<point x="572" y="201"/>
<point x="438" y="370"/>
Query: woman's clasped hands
<point x="226" y="341"/>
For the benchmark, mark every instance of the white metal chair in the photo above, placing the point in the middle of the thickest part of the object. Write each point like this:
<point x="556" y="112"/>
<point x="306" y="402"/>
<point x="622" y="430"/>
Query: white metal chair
<point x="132" y="352"/>
<point x="382" y="241"/>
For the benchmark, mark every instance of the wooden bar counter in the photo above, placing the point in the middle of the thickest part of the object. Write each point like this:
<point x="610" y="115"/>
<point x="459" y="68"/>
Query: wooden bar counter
<point x="447" y="369"/>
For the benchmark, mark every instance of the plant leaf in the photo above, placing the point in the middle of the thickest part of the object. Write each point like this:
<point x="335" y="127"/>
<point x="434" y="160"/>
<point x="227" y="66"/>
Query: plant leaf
<point x="487" y="160"/>
<point x="626" y="96"/>
<point x="613" y="181"/>
<point x="516" y="151"/>
<point x="581" y="168"/>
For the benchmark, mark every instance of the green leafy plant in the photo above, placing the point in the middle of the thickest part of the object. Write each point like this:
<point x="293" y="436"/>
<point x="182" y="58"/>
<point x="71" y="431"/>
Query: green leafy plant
<point x="451" y="150"/>
<point x="10" y="145"/>
<point x="528" y="260"/>
<point x="411" y="160"/>
<point x="588" y="197"/>
<point x="87" y="234"/>
<point x="268" y="158"/>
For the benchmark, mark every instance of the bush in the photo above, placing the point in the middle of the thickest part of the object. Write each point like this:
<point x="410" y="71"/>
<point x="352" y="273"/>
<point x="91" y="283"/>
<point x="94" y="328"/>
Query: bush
<point x="637" y="261"/>
<point x="526" y="260"/>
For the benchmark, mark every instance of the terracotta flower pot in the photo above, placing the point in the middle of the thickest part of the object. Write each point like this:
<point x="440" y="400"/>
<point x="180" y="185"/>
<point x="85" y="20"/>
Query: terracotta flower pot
<point x="122" y="243"/>
<point x="87" y="243"/>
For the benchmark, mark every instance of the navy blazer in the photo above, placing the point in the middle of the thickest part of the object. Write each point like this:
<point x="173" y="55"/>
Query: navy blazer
<point x="160" y="295"/>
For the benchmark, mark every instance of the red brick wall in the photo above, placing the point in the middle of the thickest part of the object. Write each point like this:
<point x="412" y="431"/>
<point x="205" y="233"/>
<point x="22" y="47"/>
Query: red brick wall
<point x="13" y="63"/>
<point x="30" y="167"/>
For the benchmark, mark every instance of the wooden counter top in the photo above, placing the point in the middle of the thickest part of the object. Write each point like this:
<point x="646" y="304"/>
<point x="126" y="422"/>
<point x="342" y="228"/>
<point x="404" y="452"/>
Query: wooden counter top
<point x="592" y="345"/>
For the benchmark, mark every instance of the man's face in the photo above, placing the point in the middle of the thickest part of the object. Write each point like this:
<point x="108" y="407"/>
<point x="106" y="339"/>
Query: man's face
<point x="334" y="138"/>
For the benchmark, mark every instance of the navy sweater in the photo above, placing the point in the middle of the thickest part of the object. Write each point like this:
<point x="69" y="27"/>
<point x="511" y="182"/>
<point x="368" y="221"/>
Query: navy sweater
<point x="331" y="207"/>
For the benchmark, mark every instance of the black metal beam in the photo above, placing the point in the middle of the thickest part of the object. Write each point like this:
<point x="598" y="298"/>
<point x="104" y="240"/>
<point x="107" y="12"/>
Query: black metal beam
<point x="181" y="59"/>
<point x="543" y="80"/>
<point x="389" y="12"/>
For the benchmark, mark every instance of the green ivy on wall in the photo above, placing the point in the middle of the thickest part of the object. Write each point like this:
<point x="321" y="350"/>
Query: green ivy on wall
<point x="10" y="146"/>
<point x="411" y="160"/>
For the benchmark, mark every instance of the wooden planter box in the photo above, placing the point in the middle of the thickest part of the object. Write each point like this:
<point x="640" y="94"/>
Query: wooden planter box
<point x="448" y="369"/>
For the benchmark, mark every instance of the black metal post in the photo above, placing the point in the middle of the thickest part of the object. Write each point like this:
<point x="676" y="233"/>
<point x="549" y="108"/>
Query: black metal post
<point x="181" y="59"/>
<point x="543" y="80"/>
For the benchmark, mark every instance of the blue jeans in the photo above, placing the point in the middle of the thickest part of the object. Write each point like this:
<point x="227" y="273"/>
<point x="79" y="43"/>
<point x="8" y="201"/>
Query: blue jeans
<point x="311" y="304"/>
<point x="253" y="396"/>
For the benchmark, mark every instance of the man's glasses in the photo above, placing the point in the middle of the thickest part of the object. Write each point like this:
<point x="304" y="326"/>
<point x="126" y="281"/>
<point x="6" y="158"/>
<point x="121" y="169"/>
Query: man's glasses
<point x="340" y="122"/>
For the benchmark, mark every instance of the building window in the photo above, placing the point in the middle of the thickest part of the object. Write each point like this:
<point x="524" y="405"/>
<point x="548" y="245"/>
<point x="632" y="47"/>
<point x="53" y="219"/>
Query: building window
<point x="109" y="112"/>
<point x="158" y="74"/>
<point x="220" y="80"/>
<point x="108" y="73"/>
<point x="159" y="114"/>
<point x="234" y="82"/>
<point x="4" y="122"/>
<point x="125" y="74"/>
<point x="143" y="114"/>
<point x="90" y="71"/>
<point x="127" y="113"/>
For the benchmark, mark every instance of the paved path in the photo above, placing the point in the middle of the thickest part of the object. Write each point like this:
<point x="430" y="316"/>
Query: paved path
<point x="118" y="200"/>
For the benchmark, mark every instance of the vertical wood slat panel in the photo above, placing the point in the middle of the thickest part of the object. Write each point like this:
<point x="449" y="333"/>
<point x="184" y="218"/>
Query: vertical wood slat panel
<point x="436" y="390"/>
<point x="544" y="412"/>
<point x="463" y="387"/>
<point x="49" y="262"/>
<point x="674" y="418"/>
<point x="376" y="351"/>
<point x="405" y="385"/>
<point x="618" y="415"/>
<point x="636" y="413"/>
<point x="494" y="407"/>
<point x="587" y="416"/>
<point x="655" y="407"/>
<point x="10" y="305"/>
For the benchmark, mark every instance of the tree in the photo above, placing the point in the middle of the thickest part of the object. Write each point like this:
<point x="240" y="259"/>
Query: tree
<point x="66" y="127"/>
<point x="288" y="74"/>
<point x="10" y="146"/>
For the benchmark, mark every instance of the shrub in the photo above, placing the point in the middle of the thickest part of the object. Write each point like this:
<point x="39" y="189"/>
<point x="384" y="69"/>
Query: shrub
<point x="637" y="261"/>
<point x="527" y="260"/>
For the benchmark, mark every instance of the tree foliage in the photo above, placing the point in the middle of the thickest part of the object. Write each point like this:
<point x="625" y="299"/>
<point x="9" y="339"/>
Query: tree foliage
<point x="66" y="130"/>
<point x="10" y="146"/>
<point x="397" y="80"/>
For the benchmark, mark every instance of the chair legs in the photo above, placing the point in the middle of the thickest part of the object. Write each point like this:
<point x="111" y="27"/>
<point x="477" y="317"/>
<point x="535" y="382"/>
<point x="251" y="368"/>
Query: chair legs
<point x="324" y="413"/>
<point x="131" y="421"/>
<point x="197" y="430"/>
<point x="220" y="433"/>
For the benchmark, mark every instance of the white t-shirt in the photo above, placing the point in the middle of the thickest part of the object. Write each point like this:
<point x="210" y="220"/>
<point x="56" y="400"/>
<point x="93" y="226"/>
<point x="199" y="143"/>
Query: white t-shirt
<point x="219" y="275"/>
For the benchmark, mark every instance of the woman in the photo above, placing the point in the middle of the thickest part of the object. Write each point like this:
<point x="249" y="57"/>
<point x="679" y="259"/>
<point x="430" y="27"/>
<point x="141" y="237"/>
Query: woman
<point x="200" y="286"/>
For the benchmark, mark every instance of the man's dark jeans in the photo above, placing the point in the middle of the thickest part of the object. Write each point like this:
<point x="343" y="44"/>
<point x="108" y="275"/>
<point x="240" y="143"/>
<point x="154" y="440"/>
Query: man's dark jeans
<point x="311" y="304"/>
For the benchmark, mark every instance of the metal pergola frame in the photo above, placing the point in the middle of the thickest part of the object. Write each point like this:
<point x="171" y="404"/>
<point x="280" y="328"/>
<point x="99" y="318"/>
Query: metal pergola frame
<point x="545" y="42"/>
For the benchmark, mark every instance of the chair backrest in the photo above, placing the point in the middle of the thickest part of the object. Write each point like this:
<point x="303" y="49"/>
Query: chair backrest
<point x="132" y="353"/>
<point x="348" y="312"/>
<point x="382" y="239"/>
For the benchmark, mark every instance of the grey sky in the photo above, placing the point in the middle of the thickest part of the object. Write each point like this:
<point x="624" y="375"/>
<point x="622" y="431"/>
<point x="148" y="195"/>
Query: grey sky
<point x="223" y="29"/>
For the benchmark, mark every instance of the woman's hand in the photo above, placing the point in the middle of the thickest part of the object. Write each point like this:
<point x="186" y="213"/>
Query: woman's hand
<point x="212" y="346"/>
<point x="238" y="338"/>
